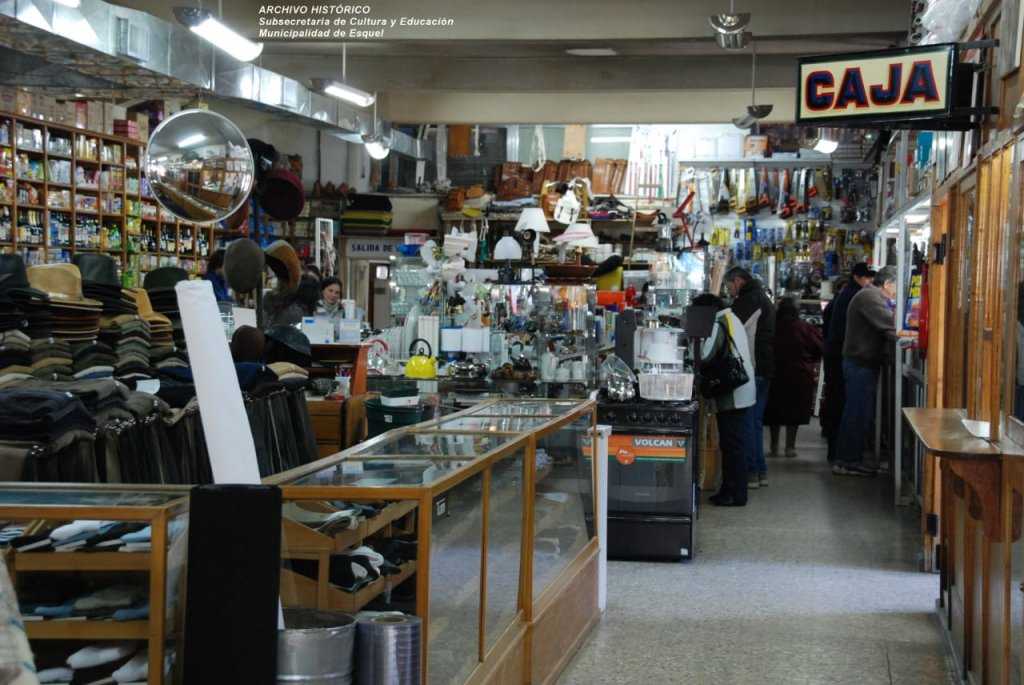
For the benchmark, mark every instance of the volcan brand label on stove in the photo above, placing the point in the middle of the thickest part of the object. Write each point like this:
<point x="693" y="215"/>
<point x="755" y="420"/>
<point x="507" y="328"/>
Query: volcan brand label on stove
<point x="658" y="442"/>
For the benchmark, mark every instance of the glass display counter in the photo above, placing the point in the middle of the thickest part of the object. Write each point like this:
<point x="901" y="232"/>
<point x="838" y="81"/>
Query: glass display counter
<point x="485" y="513"/>
<point x="52" y="581"/>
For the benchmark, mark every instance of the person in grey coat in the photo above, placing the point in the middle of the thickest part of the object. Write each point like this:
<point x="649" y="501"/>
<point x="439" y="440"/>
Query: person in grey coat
<point x="870" y="335"/>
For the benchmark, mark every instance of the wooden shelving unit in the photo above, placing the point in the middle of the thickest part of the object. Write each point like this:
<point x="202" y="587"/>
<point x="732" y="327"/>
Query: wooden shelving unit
<point x="93" y="182"/>
<point x="302" y="542"/>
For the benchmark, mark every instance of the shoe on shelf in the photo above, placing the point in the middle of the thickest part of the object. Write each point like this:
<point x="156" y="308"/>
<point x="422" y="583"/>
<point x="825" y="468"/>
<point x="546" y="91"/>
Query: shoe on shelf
<point x="790" y="453"/>
<point x="839" y="470"/>
<point x="762" y="480"/>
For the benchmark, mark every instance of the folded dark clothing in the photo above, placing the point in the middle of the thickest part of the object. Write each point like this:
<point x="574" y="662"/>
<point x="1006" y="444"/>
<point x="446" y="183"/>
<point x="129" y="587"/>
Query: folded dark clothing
<point x="176" y="393"/>
<point x="142" y="404"/>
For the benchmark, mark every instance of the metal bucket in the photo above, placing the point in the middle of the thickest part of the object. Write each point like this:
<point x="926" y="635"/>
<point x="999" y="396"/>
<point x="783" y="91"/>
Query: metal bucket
<point x="316" y="647"/>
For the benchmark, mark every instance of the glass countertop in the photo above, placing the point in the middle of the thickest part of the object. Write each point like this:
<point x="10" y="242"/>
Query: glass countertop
<point x="382" y="473"/>
<point x="506" y="424"/>
<point x="74" y="498"/>
<point x="431" y="444"/>
<point x="544" y="408"/>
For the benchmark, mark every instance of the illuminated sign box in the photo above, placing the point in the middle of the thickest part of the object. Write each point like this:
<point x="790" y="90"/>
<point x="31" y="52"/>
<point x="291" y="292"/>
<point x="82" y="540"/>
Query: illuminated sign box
<point x="885" y="85"/>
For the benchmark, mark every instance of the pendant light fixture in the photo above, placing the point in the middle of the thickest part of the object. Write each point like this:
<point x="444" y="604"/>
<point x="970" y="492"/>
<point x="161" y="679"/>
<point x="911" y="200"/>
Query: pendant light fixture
<point x="376" y="143"/>
<point x="340" y="89"/>
<point x="754" y="112"/>
<point x="202" y="23"/>
<point x="730" y="29"/>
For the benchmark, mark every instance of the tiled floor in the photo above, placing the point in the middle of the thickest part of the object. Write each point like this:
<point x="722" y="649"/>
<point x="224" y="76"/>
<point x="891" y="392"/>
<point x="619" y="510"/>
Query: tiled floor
<point x="815" y="581"/>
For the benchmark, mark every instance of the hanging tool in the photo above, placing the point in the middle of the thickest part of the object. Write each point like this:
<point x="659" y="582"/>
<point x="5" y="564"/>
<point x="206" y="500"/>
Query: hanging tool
<point x="734" y="189"/>
<point x="764" y="199"/>
<point x="785" y="208"/>
<point x="741" y="191"/>
<point x="801" y="193"/>
<point x="751" y="197"/>
<point x="823" y="181"/>
<point x="724" y="198"/>
<point x="812" y="186"/>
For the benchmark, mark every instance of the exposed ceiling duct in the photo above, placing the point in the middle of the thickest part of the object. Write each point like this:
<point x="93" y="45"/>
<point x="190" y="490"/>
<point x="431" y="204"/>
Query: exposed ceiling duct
<point x="128" y="54"/>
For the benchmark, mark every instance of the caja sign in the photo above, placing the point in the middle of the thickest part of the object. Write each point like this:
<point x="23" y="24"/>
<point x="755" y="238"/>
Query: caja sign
<point x="910" y="83"/>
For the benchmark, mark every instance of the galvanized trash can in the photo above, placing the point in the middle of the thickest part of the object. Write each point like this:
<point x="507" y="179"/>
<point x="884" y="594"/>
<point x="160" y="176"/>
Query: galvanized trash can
<point x="316" y="647"/>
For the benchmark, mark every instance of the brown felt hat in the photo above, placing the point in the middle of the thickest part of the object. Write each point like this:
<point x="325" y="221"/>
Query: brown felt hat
<point x="146" y="307"/>
<point x="62" y="282"/>
<point x="281" y="258"/>
<point x="244" y="262"/>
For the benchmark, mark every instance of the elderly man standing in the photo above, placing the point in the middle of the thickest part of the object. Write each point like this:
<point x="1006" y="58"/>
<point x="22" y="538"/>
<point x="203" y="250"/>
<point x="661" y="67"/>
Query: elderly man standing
<point x="870" y="335"/>
<point x="752" y="306"/>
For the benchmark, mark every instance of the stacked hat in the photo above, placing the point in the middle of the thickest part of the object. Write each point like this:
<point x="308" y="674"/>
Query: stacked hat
<point x="100" y="282"/>
<point x="52" y="359"/>
<point x="74" y="317"/>
<point x="161" y="331"/>
<point x="93" y="360"/>
<point x="17" y="297"/>
<point x="159" y="285"/>
<point x="15" y="357"/>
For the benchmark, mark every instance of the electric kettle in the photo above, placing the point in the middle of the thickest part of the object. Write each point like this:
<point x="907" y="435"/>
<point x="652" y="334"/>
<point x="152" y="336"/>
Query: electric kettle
<point x="423" y="367"/>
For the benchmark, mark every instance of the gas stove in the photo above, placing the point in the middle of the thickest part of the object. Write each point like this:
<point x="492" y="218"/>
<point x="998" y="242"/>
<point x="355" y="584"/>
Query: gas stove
<point x="645" y="416"/>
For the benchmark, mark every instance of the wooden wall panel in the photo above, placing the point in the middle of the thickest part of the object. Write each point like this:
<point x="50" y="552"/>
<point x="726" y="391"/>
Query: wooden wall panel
<point x="563" y="623"/>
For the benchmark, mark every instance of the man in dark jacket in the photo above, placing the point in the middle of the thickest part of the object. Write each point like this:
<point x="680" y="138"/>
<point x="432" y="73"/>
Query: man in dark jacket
<point x="870" y="334"/>
<point x="752" y="306"/>
<point x="832" y="362"/>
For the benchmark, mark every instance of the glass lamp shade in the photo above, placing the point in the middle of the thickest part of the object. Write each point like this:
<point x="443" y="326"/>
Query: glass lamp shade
<point x="576" y="231"/>
<point x="532" y="219"/>
<point x="508" y="248"/>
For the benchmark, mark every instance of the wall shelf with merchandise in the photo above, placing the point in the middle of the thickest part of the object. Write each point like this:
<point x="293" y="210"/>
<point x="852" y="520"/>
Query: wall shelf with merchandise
<point x="64" y="191"/>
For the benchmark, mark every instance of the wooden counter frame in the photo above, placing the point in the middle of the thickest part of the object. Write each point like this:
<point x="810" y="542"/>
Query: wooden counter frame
<point x="570" y="599"/>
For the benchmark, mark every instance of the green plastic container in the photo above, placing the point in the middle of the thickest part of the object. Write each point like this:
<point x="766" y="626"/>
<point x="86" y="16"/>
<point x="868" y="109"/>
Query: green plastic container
<point x="380" y="419"/>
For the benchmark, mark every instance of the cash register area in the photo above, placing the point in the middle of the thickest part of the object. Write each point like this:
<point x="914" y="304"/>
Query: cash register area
<point x="814" y="582"/>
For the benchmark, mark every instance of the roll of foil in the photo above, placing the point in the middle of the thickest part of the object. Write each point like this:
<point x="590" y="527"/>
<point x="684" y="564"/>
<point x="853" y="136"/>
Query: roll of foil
<point x="389" y="650"/>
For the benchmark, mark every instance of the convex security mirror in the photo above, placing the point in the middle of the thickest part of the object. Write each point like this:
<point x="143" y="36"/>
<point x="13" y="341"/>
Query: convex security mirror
<point x="199" y="166"/>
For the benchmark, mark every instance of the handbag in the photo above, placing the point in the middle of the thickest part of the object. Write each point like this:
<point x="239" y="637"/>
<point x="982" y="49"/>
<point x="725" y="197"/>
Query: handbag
<point x="725" y="371"/>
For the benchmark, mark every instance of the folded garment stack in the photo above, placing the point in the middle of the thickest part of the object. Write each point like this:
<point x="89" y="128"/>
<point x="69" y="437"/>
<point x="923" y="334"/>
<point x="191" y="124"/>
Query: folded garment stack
<point x="93" y="360"/>
<point x="15" y="357"/>
<point x="52" y="359"/>
<point x="365" y="221"/>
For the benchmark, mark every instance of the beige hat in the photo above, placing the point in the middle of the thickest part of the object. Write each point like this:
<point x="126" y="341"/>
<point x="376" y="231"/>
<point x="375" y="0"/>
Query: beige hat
<point x="62" y="282"/>
<point x="146" y="307"/>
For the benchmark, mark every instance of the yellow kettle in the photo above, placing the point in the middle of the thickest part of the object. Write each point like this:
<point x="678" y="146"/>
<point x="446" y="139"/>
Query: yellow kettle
<point x="423" y="367"/>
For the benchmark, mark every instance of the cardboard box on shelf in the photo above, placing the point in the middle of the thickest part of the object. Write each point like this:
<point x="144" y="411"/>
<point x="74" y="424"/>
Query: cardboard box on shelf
<point x="143" y="121"/>
<point x="756" y="146"/>
<point x="111" y="113"/>
<point x="23" y="103"/>
<point x="7" y="100"/>
<point x="81" y="114"/>
<point x="94" y="116"/>
<point x="68" y="112"/>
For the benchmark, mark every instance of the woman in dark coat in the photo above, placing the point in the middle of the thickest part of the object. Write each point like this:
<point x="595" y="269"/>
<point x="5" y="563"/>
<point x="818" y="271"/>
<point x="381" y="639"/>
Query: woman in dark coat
<point x="798" y="349"/>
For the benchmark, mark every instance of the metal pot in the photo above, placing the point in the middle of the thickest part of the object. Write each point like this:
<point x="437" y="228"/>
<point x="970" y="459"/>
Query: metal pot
<point x="468" y="369"/>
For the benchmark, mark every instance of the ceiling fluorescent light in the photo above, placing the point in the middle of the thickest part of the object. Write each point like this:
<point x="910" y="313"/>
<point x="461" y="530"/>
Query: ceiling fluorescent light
<point x="611" y="139"/>
<point x="73" y="4"/>
<point x="202" y="23"/>
<point x="343" y="91"/>
<point x="592" y="52"/>
<point x="826" y="146"/>
<point x="377" y="149"/>
<point x="191" y="140"/>
<point x="916" y="218"/>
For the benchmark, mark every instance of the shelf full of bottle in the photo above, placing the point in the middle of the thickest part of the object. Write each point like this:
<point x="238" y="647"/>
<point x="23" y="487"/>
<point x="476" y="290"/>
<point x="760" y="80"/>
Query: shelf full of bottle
<point x="821" y="244"/>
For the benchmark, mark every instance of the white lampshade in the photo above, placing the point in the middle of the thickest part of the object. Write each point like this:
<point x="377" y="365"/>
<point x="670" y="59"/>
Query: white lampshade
<point x="590" y="241"/>
<point x="532" y="219"/>
<point x="508" y="248"/>
<point x="576" y="231"/>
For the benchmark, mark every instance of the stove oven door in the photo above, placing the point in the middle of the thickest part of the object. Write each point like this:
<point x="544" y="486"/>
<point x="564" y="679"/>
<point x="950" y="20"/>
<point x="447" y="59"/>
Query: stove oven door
<point x="650" y="474"/>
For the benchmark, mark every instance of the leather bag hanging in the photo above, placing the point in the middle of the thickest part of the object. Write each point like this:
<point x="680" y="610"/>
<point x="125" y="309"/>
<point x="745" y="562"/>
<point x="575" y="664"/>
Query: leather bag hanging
<point x="723" y="372"/>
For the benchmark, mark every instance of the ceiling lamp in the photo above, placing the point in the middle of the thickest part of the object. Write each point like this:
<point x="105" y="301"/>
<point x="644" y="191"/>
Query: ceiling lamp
<point x="340" y="89"/>
<point x="343" y="91"/>
<point x="754" y="112"/>
<point x="202" y="23"/>
<point x="826" y="142"/>
<point x="733" y="41"/>
<point x="375" y="142"/>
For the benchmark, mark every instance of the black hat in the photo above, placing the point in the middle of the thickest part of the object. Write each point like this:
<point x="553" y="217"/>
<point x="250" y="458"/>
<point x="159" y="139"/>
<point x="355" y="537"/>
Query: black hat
<point x="98" y="269"/>
<point x="14" y="278"/>
<point x="244" y="262"/>
<point x="164" y="278"/>
<point x="288" y="344"/>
